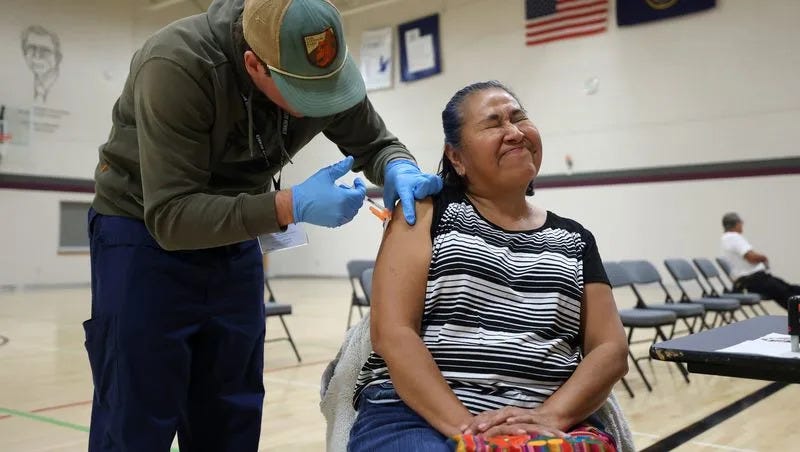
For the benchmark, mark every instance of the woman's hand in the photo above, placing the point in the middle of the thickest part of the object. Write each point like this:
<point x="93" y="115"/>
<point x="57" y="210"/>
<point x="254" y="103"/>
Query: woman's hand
<point x="491" y="418"/>
<point x="542" y="415"/>
<point x="515" y="421"/>
<point x="522" y="429"/>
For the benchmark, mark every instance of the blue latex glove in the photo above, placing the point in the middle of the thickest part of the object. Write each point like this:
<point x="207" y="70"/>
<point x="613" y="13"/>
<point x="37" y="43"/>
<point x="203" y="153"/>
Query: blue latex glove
<point x="405" y="181"/>
<point x="320" y="201"/>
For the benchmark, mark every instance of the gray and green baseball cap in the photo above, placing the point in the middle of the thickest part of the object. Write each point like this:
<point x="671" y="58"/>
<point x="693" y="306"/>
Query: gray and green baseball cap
<point x="302" y="42"/>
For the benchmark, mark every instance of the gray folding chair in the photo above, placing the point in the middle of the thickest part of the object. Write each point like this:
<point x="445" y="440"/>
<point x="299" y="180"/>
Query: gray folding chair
<point x="640" y="317"/>
<point x="726" y="268"/>
<point x="643" y="273"/>
<point x="272" y="309"/>
<point x="357" y="299"/>
<point x="682" y="272"/>
<point x="709" y="272"/>
<point x="366" y="283"/>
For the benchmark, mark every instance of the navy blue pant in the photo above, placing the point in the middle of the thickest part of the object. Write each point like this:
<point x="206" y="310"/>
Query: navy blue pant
<point x="175" y="342"/>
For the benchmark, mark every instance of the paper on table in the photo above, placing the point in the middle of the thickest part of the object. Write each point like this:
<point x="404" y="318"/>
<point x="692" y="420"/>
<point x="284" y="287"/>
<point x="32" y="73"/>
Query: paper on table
<point x="773" y="344"/>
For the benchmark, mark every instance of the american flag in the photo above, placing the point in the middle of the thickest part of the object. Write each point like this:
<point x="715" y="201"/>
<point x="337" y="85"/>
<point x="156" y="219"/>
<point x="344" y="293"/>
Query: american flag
<point x="550" y="20"/>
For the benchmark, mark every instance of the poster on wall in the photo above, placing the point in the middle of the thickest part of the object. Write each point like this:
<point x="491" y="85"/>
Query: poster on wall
<point x="41" y="49"/>
<point x="376" y="58"/>
<point x="41" y="52"/>
<point x="15" y="125"/>
<point x="420" y="54"/>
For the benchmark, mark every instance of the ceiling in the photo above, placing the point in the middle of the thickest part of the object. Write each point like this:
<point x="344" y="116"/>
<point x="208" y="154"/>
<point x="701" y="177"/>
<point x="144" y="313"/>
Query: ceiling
<point x="345" y="6"/>
<point x="348" y="5"/>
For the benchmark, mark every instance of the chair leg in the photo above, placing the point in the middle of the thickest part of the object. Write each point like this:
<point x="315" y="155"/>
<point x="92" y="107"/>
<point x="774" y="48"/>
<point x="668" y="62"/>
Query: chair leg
<point x="688" y="326"/>
<point x="291" y="341"/>
<point x="349" y="318"/>
<point x="763" y="309"/>
<point x="733" y="316"/>
<point x="360" y="311"/>
<point x="703" y="324"/>
<point x="627" y="387"/>
<point x="641" y="373"/>
<point x="753" y="309"/>
<point x="744" y="313"/>
<point x="636" y="362"/>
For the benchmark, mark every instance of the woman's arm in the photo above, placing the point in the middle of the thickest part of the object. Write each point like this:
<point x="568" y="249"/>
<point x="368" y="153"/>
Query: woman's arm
<point x="397" y="303"/>
<point x="605" y="362"/>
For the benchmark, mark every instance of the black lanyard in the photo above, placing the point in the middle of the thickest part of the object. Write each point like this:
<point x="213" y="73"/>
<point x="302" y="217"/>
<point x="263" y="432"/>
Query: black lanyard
<point x="284" y="120"/>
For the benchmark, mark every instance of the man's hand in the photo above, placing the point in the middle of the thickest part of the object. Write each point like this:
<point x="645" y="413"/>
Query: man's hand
<point x="320" y="201"/>
<point x="404" y="181"/>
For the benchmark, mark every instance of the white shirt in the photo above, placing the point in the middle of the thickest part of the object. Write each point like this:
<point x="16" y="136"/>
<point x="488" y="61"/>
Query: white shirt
<point x="734" y="247"/>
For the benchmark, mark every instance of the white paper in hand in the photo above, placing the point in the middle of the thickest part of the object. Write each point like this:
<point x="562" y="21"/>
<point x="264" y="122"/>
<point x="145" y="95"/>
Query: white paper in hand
<point x="292" y="237"/>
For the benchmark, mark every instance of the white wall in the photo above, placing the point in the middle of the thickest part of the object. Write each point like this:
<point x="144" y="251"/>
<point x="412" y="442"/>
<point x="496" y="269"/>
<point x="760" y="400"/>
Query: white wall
<point x="97" y="41"/>
<point x="29" y="240"/>
<point x="715" y="86"/>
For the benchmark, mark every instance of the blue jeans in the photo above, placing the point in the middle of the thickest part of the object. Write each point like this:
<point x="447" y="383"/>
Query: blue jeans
<point x="175" y="342"/>
<point x="386" y="424"/>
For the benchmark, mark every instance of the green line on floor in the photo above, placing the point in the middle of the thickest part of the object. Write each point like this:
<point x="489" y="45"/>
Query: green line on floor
<point x="48" y="420"/>
<point x="52" y="421"/>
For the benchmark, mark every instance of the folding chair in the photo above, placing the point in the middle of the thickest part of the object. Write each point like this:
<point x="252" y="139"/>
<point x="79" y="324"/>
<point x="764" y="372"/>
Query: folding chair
<point x="682" y="271"/>
<point x="640" y="317"/>
<point x="643" y="273"/>
<point x="366" y="283"/>
<point x="273" y="308"/>
<point x="709" y="271"/>
<point x="354" y="270"/>
<point x="726" y="268"/>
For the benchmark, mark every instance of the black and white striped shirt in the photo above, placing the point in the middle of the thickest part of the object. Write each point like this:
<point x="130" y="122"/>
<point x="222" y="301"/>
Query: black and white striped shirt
<point x="502" y="308"/>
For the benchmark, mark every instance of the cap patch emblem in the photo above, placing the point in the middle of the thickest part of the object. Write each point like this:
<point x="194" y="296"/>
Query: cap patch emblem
<point x="321" y="48"/>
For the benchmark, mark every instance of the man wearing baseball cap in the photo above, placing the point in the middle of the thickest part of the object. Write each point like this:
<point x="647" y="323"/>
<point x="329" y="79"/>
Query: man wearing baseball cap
<point x="214" y="106"/>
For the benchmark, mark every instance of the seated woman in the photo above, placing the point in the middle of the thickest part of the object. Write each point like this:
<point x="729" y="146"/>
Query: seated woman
<point x="491" y="315"/>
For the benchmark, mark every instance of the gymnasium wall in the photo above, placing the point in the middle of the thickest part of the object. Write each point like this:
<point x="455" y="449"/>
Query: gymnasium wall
<point x="718" y="86"/>
<point x="97" y="40"/>
<point x="713" y="87"/>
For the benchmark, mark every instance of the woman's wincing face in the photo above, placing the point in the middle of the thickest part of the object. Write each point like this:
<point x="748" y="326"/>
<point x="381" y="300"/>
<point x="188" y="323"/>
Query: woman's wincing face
<point x="500" y="147"/>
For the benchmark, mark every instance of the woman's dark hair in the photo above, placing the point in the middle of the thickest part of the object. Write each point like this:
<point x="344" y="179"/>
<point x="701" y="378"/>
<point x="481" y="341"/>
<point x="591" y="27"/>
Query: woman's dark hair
<point x="453" y="120"/>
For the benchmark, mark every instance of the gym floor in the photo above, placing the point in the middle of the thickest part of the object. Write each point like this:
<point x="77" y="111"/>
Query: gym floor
<point x="45" y="381"/>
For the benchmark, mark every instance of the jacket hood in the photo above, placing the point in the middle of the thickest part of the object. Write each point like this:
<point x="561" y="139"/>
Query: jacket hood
<point x="222" y="16"/>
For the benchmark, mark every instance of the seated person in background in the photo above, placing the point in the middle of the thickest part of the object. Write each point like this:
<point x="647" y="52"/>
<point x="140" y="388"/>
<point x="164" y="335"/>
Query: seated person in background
<point x="749" y="269"/>
<point x="490" y="316"/>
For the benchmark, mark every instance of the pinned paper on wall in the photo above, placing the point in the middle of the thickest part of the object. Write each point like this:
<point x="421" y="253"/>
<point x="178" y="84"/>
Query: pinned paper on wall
<point x="376" y="58"/>
<point x="15" y="125"/>
<point x="420" y="54"/>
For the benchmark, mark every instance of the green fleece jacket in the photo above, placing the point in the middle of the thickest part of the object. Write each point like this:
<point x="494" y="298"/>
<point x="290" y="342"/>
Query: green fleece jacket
<point x="179" y="155"/>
